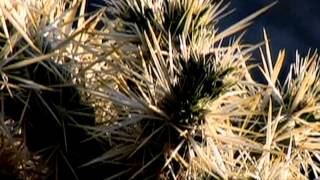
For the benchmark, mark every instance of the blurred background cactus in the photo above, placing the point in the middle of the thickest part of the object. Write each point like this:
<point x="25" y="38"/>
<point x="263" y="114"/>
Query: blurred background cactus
<point x="141" y="89"/>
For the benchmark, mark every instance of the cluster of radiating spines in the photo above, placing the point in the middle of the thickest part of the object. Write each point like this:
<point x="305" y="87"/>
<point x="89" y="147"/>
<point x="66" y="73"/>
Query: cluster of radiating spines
<point x="165" y="94"/>
<point x="284" y="120"/>
<point x="191" y="21"/>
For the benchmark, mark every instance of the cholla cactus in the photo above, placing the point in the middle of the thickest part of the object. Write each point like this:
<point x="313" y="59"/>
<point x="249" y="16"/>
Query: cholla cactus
<point x="291" y="129"/>
<point x="175" y="101"/>
<point x="178" y="93"/>
<point x="193" y="22"/>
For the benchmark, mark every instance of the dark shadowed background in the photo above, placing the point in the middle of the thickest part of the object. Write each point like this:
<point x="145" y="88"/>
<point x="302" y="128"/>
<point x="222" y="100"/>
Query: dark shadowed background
<point x="290" y="24"/>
